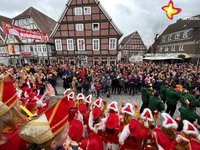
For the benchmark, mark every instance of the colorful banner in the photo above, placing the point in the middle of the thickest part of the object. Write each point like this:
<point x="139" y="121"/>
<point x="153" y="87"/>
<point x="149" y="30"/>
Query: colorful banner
<point x="11" y="49"/>
<point x="24" y="33"/>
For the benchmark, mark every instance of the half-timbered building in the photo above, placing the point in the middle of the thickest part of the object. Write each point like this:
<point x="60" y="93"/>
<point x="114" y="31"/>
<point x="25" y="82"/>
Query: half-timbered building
<point x="85" y="33"/>
<point x="4" y="56"/>
<point x="131" y="45"/>
<point x="31" y="50"/>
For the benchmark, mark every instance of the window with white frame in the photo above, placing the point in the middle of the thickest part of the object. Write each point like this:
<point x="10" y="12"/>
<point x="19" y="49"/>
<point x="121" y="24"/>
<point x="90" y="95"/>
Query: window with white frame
<point x="169" y="37"/>
<point x="87" y="10"/>
<point x="177" y="36"/>
<point x="112" y="44"/>
<point x="44" y="48"/>
<point x="185" y="34"/>
<point x="58" y="44"/>
<point x="70" y="44"/>
<point x="173" y="48"/>
<point x="81" y="44"/>
<point x="2" y="49"/>
<point x="79" y="27"/>
<point x="166" y="49"/>
<point x="27" y="21"/>
<point x="95" y="26"/>
<point x="39" y="49"/>
<point x="96" y="44"/>
<point x="20" y="22"/>
<point x="160" y="49"/>
<point x="181" y="48"/>
<point x="27" y="48"/>
<point x="78" y="11"/>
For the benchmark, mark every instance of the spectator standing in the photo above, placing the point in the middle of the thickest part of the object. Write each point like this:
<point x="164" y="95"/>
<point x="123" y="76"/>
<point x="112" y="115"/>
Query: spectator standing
<point x="98" y="88"/>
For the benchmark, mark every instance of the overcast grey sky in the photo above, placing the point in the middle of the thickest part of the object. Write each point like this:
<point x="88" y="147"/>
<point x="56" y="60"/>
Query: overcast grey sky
<point x="145" y="16"/>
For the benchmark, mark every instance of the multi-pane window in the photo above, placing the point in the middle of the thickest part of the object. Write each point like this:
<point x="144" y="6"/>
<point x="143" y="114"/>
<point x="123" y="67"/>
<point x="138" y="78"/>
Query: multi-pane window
<point x="185" y="34"/>
<point x="44" y="48"/>
<point x="177" y="36"/>
<point x="58" y="44"/>
<point x="95" y="26"/>
<point x="27" y="48"/>
<point x="95" y="44"/>
<point x="87" y="10"/>
<point x="79" y="27"/>
<point x="169" y="37"/>
<point x="112" y="44"/>
<point x="166" y="49"/>
<point x="39" y="49"/>
<point x="173" y="48"/>
<point x="181" y="48"/>
<point x="81" y="44"/>
<point x="70" y="44"/>
<point x="78" y="11"/>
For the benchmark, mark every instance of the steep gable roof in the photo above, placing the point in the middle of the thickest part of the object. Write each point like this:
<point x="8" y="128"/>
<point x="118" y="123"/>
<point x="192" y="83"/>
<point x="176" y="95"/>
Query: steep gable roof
<point x="125" y="39"/>
<point x="183" y="24"/>
<point x="101" y="8"/>
<point x="44" y="23"/>
<point x="5" y="19"/>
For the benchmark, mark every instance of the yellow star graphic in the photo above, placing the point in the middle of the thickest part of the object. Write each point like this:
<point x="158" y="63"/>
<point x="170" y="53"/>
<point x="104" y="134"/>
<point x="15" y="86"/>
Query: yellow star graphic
<point x="171" y="10"/>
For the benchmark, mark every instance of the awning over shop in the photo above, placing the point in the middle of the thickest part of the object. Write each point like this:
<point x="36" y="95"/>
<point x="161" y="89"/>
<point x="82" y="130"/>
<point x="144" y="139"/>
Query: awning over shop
<point x="171" y="56"/>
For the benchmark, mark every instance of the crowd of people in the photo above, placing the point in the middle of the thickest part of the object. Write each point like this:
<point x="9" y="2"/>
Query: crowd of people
<point x="33" y="117"/>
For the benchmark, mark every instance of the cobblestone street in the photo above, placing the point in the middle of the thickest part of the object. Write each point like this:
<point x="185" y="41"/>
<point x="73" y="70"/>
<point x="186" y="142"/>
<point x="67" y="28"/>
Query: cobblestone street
<point x="118" y="98"/>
